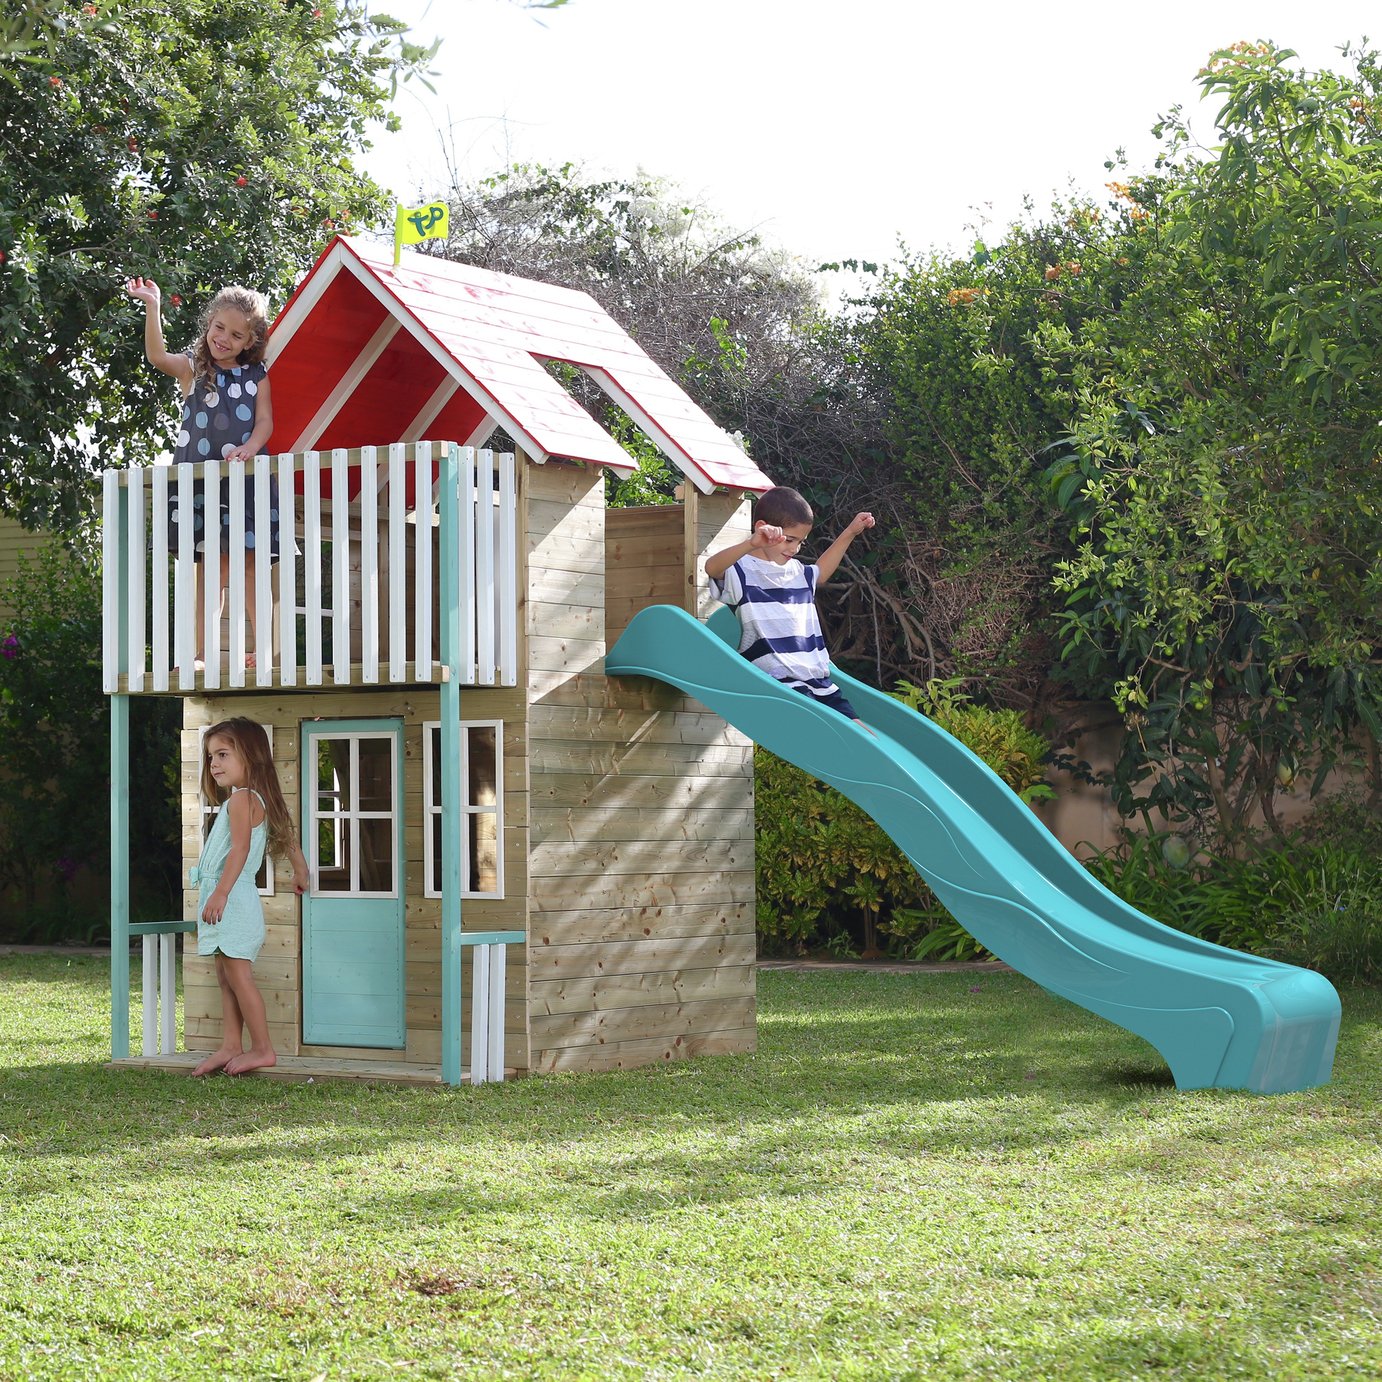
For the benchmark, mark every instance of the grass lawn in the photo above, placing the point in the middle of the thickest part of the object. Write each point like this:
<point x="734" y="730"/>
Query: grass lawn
<point x="917" y="1176"/>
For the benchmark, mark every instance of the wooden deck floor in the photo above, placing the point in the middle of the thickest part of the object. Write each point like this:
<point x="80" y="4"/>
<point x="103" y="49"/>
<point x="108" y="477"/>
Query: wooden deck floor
<point x="299" y="1068"/>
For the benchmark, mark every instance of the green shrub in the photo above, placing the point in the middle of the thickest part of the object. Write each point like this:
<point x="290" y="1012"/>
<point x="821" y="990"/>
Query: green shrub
<point x="827" y="875"/>
<point x="830" y="878"/>
<point x="1017" y="754"/>
<point x="1314" y="900"/>
<point x="1343" y="942"/>
<point x="55" y="764"/>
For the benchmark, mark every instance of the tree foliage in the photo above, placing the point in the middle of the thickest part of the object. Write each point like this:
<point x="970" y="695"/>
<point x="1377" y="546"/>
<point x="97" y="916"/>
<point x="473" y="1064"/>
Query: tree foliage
<point x="1221" y="471"/>
<point x="715" y="307"/>
<point x="1141" y="438"/>
<point x="197" y="141"/>
<point x="740" y="324"/>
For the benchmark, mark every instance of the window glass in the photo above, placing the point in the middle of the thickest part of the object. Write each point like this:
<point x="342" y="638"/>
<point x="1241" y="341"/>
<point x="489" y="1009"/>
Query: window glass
<point x="482" y="766"/>
<point x="376" y="855"/>
<point x="484" y="853"/>
<point x="376" y="775"/>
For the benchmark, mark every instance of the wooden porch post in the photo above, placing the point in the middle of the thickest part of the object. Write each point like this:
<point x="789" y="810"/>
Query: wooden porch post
<point x="451" y="536"/>
<point x="119" y="876"/>
<point x="115" y="584"/>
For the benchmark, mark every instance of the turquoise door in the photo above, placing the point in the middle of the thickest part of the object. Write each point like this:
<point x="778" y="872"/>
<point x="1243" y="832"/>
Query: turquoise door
<point x="352" y="916"/>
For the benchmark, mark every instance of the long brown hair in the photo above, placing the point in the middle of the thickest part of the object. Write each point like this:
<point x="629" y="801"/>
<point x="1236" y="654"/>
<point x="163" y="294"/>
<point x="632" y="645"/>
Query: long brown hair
<point x="248" y="739"/>
<point x="254" y="307"/>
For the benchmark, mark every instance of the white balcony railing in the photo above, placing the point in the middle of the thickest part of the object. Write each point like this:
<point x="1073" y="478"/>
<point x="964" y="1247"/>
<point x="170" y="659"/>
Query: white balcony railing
<point x="357" y="595"/>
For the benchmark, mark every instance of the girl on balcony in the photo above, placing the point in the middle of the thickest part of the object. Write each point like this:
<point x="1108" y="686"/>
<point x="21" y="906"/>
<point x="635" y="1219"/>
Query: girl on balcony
<point x="226" y="415"/>
<point x="238" y="776"/>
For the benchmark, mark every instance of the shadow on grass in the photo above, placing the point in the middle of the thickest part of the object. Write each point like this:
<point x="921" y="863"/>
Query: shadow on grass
<point x="917" y="1066"/>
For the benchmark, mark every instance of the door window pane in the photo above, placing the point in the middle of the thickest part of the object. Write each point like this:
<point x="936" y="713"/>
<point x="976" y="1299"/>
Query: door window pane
<point x="333" y="856"/>
<point x="376" y="855"/>
<point x="376" y="775"/>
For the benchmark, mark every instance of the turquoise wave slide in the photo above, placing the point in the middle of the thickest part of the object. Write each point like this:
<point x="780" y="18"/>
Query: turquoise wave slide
<point x="1218" y="1017"/>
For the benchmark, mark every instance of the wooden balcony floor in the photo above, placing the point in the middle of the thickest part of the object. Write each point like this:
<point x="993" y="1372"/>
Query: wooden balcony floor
<point x="354" y="681"/>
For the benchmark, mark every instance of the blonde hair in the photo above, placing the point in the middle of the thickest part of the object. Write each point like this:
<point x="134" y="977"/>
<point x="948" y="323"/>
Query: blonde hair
<point x="248" y="739"/>
<point x="253" y="306"/>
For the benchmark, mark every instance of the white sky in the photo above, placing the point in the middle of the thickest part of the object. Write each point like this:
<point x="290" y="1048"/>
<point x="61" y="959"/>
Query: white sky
<point x="834" y="129"/>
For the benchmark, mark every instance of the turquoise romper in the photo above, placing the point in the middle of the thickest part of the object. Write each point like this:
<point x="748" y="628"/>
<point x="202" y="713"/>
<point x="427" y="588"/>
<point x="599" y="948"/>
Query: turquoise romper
<point x="240" y="932"/>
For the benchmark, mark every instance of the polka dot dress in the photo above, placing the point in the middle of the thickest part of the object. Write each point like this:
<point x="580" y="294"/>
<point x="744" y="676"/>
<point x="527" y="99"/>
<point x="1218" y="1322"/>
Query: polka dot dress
<point x="217" y="416"/>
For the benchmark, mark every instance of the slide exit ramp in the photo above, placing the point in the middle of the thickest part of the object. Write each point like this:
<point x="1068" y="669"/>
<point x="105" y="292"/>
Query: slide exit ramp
<point x="1219" y="1018"/>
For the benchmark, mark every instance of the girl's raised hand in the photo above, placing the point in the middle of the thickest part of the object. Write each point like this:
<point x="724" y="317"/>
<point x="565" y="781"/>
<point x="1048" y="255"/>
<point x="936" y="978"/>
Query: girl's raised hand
<point x="767" y="536"/>
<point x="145" y="290"/>
<point x="859" y="522"/>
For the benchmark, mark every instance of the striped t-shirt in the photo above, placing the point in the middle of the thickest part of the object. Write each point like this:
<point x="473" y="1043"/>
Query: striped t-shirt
<point x="780" y="630"/>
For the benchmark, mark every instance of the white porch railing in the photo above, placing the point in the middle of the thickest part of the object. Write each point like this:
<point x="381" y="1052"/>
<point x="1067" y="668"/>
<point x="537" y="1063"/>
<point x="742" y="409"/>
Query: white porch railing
<point x="358" y="585"/>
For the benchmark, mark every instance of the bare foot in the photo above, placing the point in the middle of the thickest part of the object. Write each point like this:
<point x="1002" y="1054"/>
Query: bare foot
<point x="250" y="1060"/>
<point x="250" y="661"/>
<point x="217" y="1060"/>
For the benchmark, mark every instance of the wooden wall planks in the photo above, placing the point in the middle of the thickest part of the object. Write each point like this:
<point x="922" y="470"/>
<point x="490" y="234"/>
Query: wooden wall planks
<point x="641" y="941"/>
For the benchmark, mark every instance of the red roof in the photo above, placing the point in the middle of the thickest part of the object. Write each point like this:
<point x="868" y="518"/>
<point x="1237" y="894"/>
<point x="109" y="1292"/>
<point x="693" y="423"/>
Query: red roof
<point x="365" y="354"/>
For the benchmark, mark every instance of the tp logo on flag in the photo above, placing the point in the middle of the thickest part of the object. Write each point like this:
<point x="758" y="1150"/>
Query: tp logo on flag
<point x="430" y="222"/>
<point x="425" y="220"/>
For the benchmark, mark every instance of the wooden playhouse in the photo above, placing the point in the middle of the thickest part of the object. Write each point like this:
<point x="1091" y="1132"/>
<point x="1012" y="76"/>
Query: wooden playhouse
<point x="518" y="864"/>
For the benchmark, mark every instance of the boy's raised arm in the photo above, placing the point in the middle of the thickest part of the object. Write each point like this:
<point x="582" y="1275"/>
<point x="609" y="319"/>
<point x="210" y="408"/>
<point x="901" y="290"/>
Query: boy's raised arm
<point x="828" y="562"/>
<point x="764" y="536"/>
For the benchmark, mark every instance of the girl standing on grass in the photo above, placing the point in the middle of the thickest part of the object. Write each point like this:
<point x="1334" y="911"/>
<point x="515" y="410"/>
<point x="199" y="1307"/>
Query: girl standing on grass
<point x="238" y="776"/>
<point x="226" y="415"/>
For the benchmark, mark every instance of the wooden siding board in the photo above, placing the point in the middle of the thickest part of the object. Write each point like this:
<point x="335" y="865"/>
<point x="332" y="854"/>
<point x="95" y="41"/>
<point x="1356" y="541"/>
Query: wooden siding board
<point x="640" y="956"/>
<point x="610" y="993"/>
<point x="659" y="1022"/>
<point x="602" y="925"/>
<point x="631" y="1055"/>
<point x="613" y="824"/>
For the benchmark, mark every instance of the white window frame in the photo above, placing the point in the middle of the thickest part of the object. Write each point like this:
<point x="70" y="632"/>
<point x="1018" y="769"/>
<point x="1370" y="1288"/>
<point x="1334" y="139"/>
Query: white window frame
<point x="352" y="816"/>
<point x="205" y="808"/>
<point x="431" y="809"/>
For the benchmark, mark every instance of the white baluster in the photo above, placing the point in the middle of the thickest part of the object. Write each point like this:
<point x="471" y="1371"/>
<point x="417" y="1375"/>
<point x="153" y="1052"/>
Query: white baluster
<point x="340" y="579"/>
<point x="211" y="574"/>
<point x="422" y="559"/>
<point x="185" y="581"/>
<point x="312" y="563"/>
<point x="235" y="577"/>
<point x="162" y="574"/>
<point x="369" y="565"/>
<point x="479" y="1014"/>
<point x="110" y="581"/>
<point x="168" y="973"/>
<point x="398" y="562"/>
<point x="508" y="572"/>
<point x="149" y="1046"/>
<point x="287" y="572"/>
<point x="263" y="643"/>
<point x="484" y="567"/>
<point x="135" y="556"/>
<point x="497" y="978"/>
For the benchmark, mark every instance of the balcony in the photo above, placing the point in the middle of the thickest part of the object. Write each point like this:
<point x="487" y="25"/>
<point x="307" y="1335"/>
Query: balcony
<point x="379" y="551"/>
